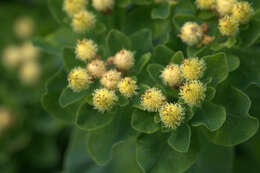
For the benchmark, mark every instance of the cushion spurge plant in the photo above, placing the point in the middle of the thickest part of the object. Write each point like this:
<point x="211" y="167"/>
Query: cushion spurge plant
<point x="172" y="77"/>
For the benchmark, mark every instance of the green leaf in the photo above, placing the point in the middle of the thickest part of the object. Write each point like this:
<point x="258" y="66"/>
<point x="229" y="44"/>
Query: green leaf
<point x="210" y="115"/>
<point x="162" y="55"/>
<point x="69" y="96"/>
<point x="143" y="121"/>
<point x="91" y="119"/>
<point x="239" y="126"/>
<point x="77" y="159"/>
<point x="213" y="159"/>
<point x="180" y="138"/>
<point x="142" y="2"/>
<point x="50" y="99"/>
<point x="250" y="36"/>
<point x="206" y="15"/>
<point x="217" y="68"/>
<point x="117" y="41"/>
<point x="195" y="52"/>
<point x="178" y="58"/>
<point x="210" y="93"/>
<point x="55" y="7"/>
<point x="142" y="62"/>
<point x="101" y="142"/>
<point x="69" y="59"/>
<point x="161" y="12"/>
<point x="233" y="62"/>
<point x="154" y="71"/>
<point x="154" y="155"/>
<point x="142" y="41"/>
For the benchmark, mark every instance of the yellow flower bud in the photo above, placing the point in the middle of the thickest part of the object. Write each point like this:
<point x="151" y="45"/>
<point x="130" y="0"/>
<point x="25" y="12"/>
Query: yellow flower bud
<point x="171" y="115"/>
<point x="30" y="72"/>
<point x="83" y="21"/>
<point x="12" y="56"/>
<point x="103" y="5"/>
<point x="29" y="52"/>
<point x="152" y="100"/>
<point x="86" y="50"/>
<point x="71" y="7"/>
<point x="206" y="4"/>
<point x="193" y="68"/>
<point x="96" y="68"/>
<point x="24" y="27"/>
<point x="124" y="60"/>
<point x="228" y="26"/>
<point x="104" y="99"/>
<point x="171" y="75"/>
<point x="191" y="33"/>
<point x="242" y="12"/>
<point x="78" y="79"/>
<point x="224" y="7"/>
<point x="127" y="87"/>
<point x="111" y="79"/>
<point x="193" y="92"/>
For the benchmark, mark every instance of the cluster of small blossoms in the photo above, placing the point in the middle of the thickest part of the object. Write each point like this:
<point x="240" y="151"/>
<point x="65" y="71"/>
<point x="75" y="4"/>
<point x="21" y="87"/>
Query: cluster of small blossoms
<point x="184" y="77"/>
<point x="82" y="19"/>
<point x="231" y="12"/>
<point x="23" y="57"/>
<point x="194" y="34"/>
<point x="111" y="78"/>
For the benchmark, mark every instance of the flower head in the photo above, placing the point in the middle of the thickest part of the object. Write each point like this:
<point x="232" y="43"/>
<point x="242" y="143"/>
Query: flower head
<point x="29" y="52"/>
<point x="103" y="5"/>
<point x="127" y="87"/>
<point x="206" y="4"/>
<point x="111" y="79"/>
<point x="104" y="99"/>
<point x="5" y="119"/>
<point x="152" y="100"/>
<point x="71" y="7"/>
<point x="86" y="50"/>
<point x="171" y="75"/>
<point x="124" y="60"/>
<point x="24" y="27"/>
<point x="242" y="12"/>
<point x="83" y="21"/>
<point x="78" y="79"/>
<point x="228" y="26"/>
<point x="12" y="56"/>
<point x="193" y="92"/>
<point x="224" y="7"/>
<point x="171" y="115"/>
<point x="96" y="68"/>
<point x="30" y="72"/>
<point x="193" y="68"/>
<point x="191" y="33"/>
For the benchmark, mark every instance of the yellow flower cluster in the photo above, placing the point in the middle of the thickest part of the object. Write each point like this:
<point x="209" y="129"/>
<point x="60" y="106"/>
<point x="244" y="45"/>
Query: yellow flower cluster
<point x="86" y="50"/>
<point x="96" y="68"/>
<point x="152" y="100"/>
<point x="228" y="26"/>
<point x="78" y="79"/>
<point x="242" y="12"/>
<point x="127" y="87"/>
<point x="104" y="99"/>
<point x="124" y="60"/>
<point x="193" y="68"/>
<point x="193" y="92"/>
<point x="103" y="5"/>
<point x="71" y="7"/>
<point x="83" y="21"/>
<point x="172" y="115"/>
<point x="191" y="33"/>
<point x="225" y="7"/>
<point x="111" y="79"/>
<point x="171" y="75"/>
